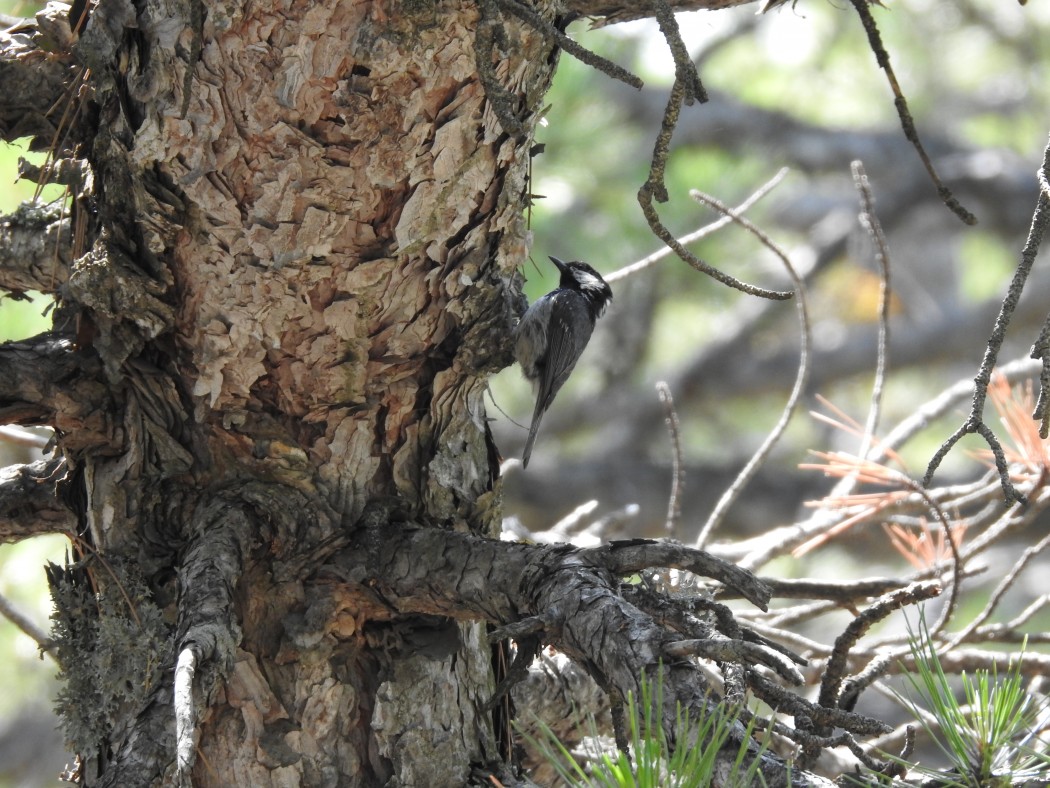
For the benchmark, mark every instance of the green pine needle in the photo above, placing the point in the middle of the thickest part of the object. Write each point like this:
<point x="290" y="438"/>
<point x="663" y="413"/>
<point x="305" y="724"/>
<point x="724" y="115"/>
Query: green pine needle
<point x="990" y="740"/>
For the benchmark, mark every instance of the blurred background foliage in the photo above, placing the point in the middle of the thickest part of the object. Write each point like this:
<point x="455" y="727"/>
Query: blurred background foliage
<point x="799" y="88"/>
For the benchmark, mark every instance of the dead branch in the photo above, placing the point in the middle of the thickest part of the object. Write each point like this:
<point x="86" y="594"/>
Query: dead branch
<point x="703" y="232"/>
<point x="581" y="53"/>
<point x="1041" y="352"/>
<point x="30" y="503"/>
<point x="654" y="189"/>
<point x="975" y="422"/>
<point x="607" y="12"/>
<point x="566" y="596"/>
<point x="907" y="123"/>
<point x="674" y="499"/>
<point x="805" y="333"/>
<point x="45" y="381"/>
<point x="870" y="221"/>
<point x="25" y="623"/>
<point x="996" y="598"/>
<point x="35" y="77"/>
<point x="834" y="670"/>
<point x="35" y="243"/>
<point x="685" y="70"/>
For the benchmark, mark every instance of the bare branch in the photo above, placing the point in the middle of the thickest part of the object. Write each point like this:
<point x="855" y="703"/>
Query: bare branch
<point x="607" y="12"/>
<point x="624" y="558"/>
<point x="45" y="381"/>
<point x="26" y="624"/>
<point x="834" y="671"/>
<point x="703" y="232"/>
<point x="581" y="53"/>
<point x="840" y="591"/>
<point x="20" y="436"/>
<point x="720" y="649"/>
<point x="1000" y="591"/>
<point x="35" y="245"/>
<point x="674" y="501"/>
<point x="975" y="423"/>
<point x="870" y="221"/>
<point x="1041" y="352"/>
<point x="645" y="199"/>
<point x="34" y="80"/>
<point x="29" y="503"/>
<point x="907" y="124"/>
<point x="748" y="471"/>
<point x="685" y="69"/>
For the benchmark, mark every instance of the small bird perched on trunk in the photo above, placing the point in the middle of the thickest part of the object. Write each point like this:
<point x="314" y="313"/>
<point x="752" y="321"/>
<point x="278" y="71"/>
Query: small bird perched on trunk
<point x="553" y="332"/>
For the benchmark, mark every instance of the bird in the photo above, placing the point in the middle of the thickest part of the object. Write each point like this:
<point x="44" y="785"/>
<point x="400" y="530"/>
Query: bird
<point x="551" y="335"/>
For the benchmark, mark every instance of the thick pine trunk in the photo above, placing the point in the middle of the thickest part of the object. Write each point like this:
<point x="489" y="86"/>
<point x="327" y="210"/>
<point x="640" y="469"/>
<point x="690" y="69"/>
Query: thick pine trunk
<point x="309" y="215"/>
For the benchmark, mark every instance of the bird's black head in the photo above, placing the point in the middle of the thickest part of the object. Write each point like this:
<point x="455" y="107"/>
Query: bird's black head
<point x="585" y="280"/>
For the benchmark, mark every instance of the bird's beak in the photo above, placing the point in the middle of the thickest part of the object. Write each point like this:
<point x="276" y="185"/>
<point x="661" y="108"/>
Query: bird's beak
<point x="560" y="263"/>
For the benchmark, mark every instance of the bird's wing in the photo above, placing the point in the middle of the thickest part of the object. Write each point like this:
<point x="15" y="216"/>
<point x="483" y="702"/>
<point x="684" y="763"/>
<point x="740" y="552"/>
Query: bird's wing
<point x="530" y="337"/>
<point x="569" y="329"/>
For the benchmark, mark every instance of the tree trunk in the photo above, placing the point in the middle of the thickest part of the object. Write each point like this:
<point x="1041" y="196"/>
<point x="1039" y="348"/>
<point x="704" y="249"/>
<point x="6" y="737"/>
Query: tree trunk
<point x="306" y="217"/>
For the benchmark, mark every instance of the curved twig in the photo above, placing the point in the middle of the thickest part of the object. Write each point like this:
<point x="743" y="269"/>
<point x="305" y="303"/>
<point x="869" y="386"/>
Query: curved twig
<point x="674" y="500"/>
<point x="870" y="221"/>
<point x="703" y="232"/>
<point x="907" y="123"/>
<point x="748" y="471"/>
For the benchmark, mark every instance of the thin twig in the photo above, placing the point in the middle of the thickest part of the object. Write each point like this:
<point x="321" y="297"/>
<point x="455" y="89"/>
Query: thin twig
<point x="654" y="186"/>
<point x="655" y="189"/>
<point x="26" y="624"/>
<point x="907" y="123"/>
<point x="645" y="199"/>
<point x="785" y="539"/>
<point x="975" y="423"/>
<point x="831" y="681"/>
<point x="943" y="403"/>
<point x="870" y="221"/>
<point x="1041" y="351"/>
<point x="1041" y="348"/>
<point x="1000" y="591"/>
<point x="20" y="436"/>
<point x="581" y="53"/>
<point x="748" y="471"/>
<point x="685" y="69"/>
<point x="696" y="235"/>
<point x="674" y="501"/>
<point x="953" y="547"/>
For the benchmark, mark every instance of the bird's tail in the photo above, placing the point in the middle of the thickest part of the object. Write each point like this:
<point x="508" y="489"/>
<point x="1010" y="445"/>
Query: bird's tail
<point x="537" y="416"/>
